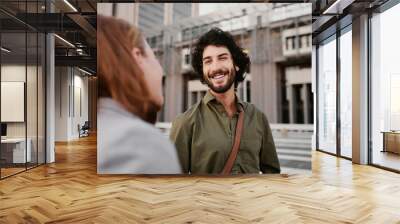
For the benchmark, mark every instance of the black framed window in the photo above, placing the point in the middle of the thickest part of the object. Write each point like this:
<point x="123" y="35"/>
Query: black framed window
<point x="334" y="98"/>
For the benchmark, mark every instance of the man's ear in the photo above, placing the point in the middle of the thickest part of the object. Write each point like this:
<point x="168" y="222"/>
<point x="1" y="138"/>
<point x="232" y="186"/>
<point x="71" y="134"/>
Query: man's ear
<point x="137" y="55"/>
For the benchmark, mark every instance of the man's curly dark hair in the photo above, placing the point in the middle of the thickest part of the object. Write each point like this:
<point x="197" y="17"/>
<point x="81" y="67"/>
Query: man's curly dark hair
<point x="218" y="37"/>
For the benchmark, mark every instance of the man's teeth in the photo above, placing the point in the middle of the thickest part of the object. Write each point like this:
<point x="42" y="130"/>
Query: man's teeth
<point x="218" y="76"/>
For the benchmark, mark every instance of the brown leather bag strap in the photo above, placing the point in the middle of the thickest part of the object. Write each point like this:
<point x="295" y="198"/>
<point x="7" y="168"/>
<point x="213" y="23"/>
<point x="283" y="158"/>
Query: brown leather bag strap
<point x="235" y="148"/>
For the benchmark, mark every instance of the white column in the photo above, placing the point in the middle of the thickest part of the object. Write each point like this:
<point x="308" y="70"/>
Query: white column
<point x="195" y="9"/>
<point x="289" y="97"/>
<point x="125" y="11"/>
<point x="136" y="14"/>
<point x="304" y="97"/>
<point x="168" y="13"/>
<point x="105" y="9"/>
<point x="314" y="92"/>
<point x="50" y="98"/>
<point x="360" y="90"/>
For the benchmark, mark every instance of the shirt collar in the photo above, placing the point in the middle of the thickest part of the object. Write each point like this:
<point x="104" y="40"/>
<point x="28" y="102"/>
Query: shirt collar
<point x="210" y="97"/>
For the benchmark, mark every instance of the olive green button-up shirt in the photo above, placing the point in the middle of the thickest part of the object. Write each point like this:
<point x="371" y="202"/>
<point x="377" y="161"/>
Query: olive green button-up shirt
<point x="204" y="136"/>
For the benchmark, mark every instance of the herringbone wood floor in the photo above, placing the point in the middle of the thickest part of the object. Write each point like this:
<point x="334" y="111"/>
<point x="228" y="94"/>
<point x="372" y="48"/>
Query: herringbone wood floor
<point x="70" y="191"/>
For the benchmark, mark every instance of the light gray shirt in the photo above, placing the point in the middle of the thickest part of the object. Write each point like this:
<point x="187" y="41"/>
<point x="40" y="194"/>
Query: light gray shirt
<point x="128" y="145"/>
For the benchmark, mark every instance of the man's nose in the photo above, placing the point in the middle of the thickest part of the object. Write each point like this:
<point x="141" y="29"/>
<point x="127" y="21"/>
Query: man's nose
<point x="215" y="66"/>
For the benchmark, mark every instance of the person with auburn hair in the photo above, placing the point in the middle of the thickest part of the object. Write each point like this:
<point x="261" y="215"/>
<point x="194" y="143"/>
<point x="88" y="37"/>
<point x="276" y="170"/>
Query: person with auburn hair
<point x="130" y="94"/>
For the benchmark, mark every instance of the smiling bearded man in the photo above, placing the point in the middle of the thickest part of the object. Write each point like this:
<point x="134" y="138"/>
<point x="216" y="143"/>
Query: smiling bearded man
<point x="222" y="134"/>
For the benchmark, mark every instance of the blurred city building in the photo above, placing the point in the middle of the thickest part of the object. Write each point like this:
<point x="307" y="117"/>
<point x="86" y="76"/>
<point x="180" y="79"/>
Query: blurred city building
<point x="276" y="36"/>
<point x="147" y="16"/>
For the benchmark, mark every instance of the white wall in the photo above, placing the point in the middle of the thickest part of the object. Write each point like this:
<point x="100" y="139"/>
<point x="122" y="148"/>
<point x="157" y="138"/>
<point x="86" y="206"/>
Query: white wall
<point x="62" y="81"/>
<point x="80" y="103"/>
<point x="12" y="73"/>
<point x="71" y="94"/>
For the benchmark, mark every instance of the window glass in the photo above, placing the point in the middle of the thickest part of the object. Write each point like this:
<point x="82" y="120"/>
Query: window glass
<point x="327" y="95"/>
<point x="346" y="93"/>
<point x="385" y="84"/>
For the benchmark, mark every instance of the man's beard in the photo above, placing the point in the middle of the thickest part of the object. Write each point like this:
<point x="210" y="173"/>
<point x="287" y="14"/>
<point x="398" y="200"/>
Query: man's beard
<point x="221" y="89"/>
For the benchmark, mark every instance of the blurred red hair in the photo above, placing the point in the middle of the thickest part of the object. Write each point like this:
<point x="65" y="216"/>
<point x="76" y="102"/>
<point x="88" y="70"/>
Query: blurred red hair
<point x="119" y="75"/>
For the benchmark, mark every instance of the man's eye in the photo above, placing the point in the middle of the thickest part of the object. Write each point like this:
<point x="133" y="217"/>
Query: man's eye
<point x="223" y="58"/>
<point x="206" y="62"/>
